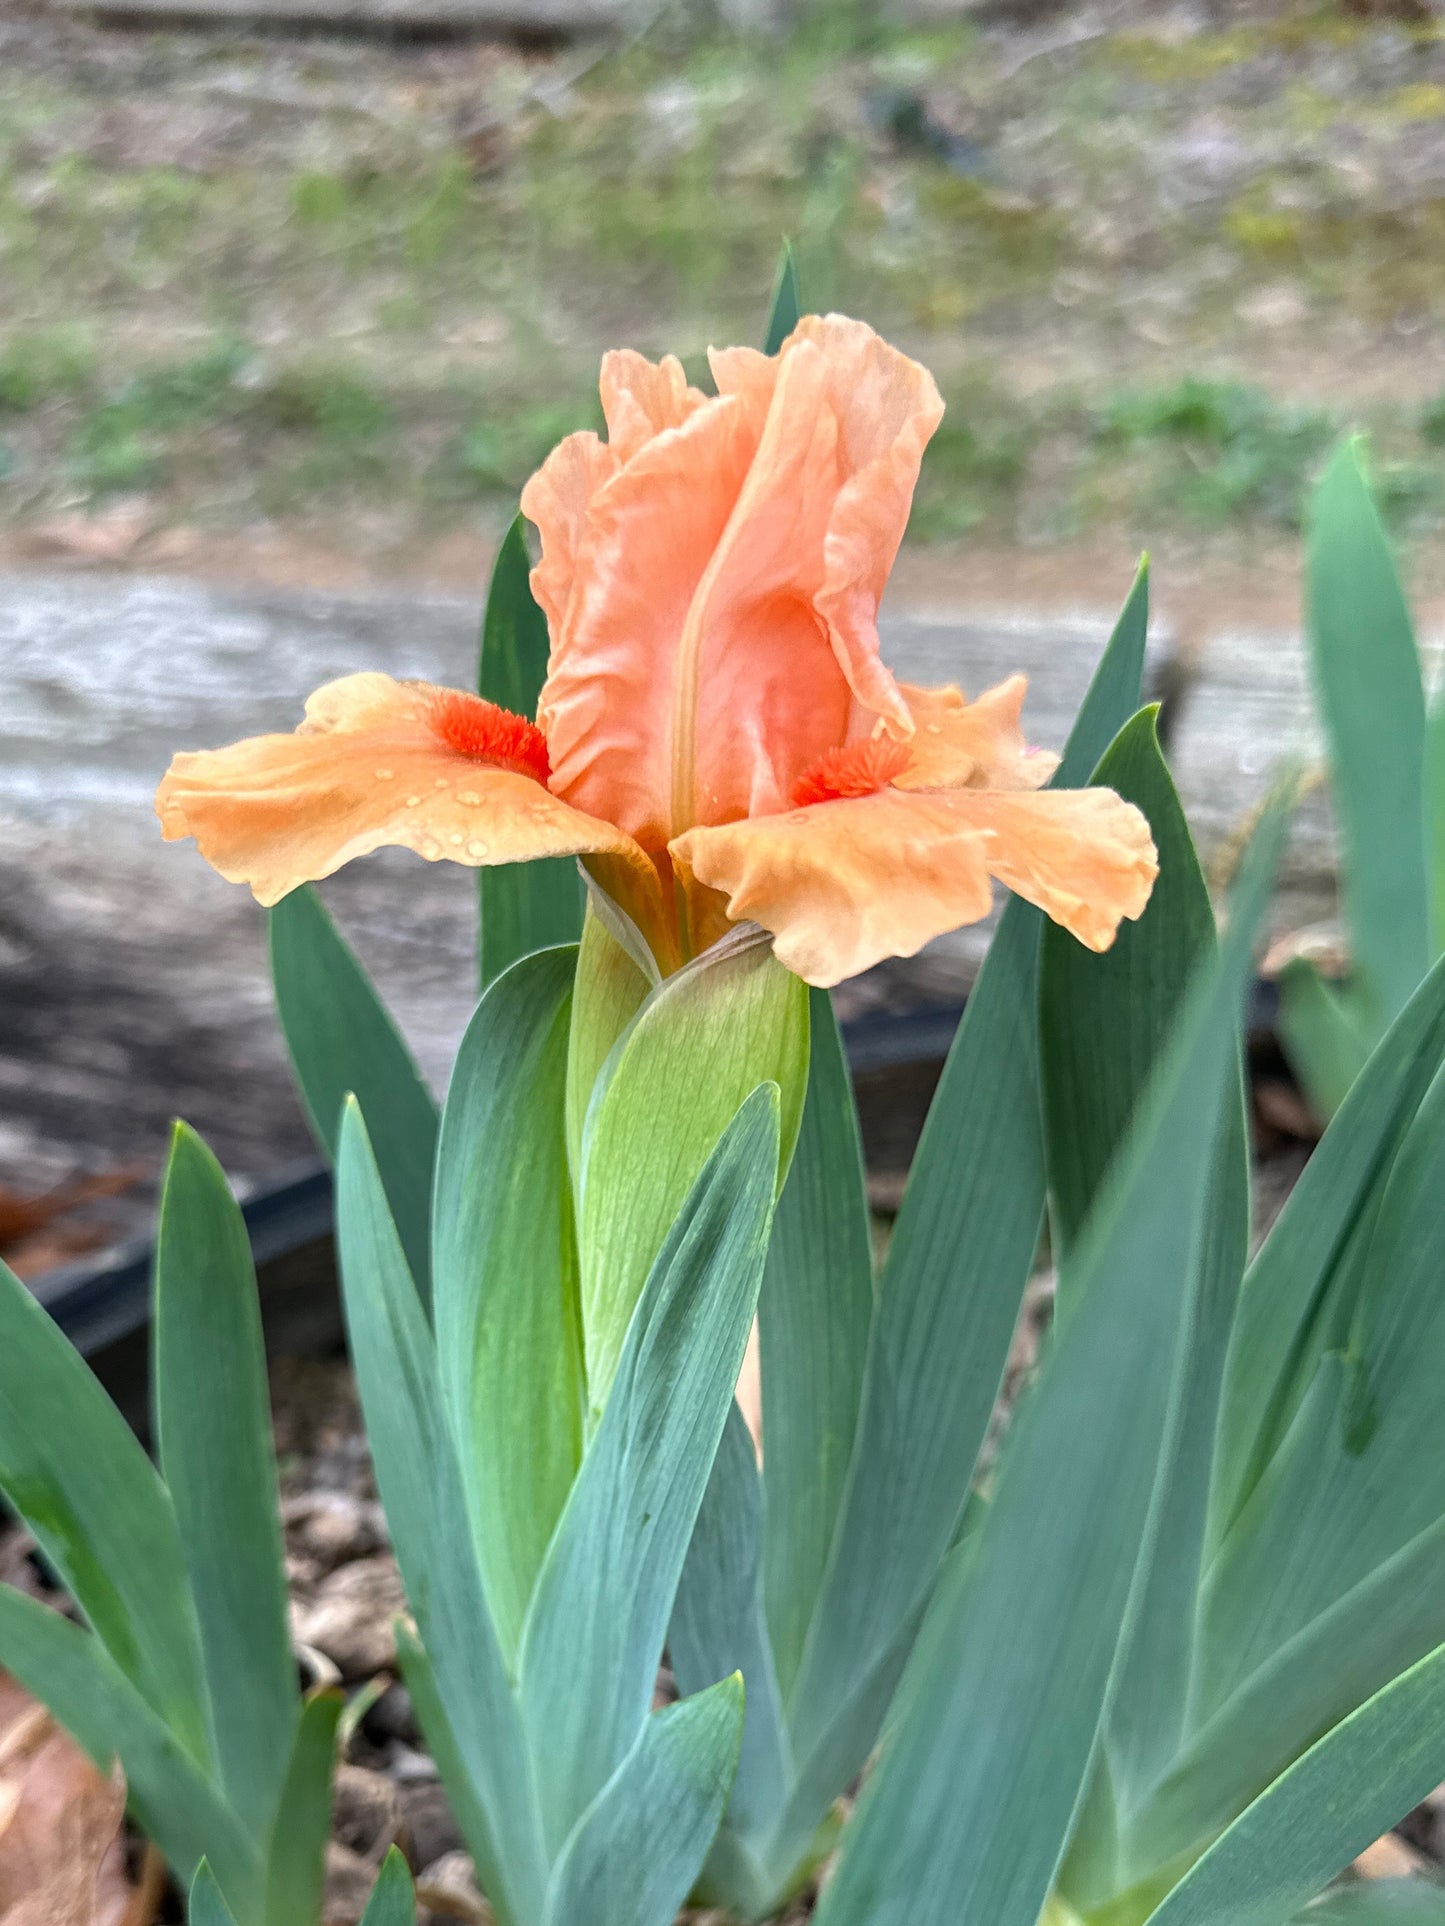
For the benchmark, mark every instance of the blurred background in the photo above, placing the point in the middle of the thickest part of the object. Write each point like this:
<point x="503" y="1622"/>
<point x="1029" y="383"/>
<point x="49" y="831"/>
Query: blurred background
<point x="305" y="297"/>
<point x="294" y="294"/>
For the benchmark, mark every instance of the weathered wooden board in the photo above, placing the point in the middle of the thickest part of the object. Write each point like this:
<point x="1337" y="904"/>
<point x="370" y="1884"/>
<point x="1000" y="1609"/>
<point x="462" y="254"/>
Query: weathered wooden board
<point x="132" y="980"/>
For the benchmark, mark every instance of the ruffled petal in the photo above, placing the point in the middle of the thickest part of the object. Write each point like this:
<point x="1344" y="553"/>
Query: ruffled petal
<point x="713" y="599"/>
<point x="843" y="884"/>
<point x="557" y="498"/>
<point x="887" y="408"/>
<point x="883" y="408"/>
<point x="959" y="744"/>
<point x="641" y="398"/>
<point x="375" y="762"/>
<point x="608" y="702"/>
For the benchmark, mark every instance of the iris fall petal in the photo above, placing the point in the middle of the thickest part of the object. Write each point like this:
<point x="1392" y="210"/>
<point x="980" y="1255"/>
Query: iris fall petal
<point x="376" y="762"/>
<point x="843" y="884"/>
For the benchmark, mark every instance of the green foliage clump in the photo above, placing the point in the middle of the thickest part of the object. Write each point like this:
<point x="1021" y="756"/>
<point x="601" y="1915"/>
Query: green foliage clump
<point x="496" y="451"/>
<point x="43" y="365"/>
<point x="1221" y="448"/>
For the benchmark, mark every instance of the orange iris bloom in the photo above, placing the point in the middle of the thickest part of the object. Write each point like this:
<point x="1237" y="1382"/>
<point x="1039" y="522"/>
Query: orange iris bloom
<point x="718" y="738"/>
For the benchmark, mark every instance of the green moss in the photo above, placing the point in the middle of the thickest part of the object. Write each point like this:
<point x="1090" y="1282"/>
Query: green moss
<point x="1424" y="100"/>
<point x="1172" y="63"/>
<point x="1377" y="261"/>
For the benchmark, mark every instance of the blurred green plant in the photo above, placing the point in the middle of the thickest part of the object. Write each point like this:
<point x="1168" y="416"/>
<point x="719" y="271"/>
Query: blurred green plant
<point x="977" y="464"/>
<point x="1223" y="449"/>
<point x="496" y="454"/>
<point x="39" y="367"/>
<point x="1386" y="769"/>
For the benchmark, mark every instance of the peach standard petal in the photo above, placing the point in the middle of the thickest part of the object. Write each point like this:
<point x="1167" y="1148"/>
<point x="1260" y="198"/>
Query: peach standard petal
<point x="843" y="884"/>
<point x="887" y="408"/>
<point x="558" y="498"/>
<point x="642" y="398"/>
<point x="376" y="762"/>
<point x="607" y="703"/>
<point x="713" y="600"/>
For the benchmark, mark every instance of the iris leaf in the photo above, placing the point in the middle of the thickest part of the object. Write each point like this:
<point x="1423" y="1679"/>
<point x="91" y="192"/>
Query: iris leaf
<point x="296" y="1865"/>
<point x="969" y="1811"/>
<point x="506" y="1291"/>
<point x="73" y="1470"/>
<point x="169" y="1793"/>
<point x="213" y="1422"/>
<point x="633" y="1856"/>
<point x="1317" y="1817"/>
<point x="343" y="1042"/>
<point x="421" y="1488"/>
<point x="599" y="1616"/>
<point x="1366" y="670"/>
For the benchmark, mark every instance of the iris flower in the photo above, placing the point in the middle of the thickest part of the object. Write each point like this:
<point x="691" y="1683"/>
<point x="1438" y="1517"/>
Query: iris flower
<point x="718" y="738"/>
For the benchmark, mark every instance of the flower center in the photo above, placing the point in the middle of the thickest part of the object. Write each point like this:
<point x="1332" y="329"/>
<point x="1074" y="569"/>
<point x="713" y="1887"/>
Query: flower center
<point x="486" y="733"/>
<point x="855" y="769"/>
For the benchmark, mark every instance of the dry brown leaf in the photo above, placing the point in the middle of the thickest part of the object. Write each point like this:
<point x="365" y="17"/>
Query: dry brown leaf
<point x="62" y="1861"/>
<point x="39" y="1231"/>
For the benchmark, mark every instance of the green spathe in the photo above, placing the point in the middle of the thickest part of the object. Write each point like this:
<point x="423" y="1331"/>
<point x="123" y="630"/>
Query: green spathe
<point x="672" y="1082"/>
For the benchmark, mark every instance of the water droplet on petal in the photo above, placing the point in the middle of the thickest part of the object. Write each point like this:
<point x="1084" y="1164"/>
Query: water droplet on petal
<point x="385" y="775"/>
<point x="430" y="847"/>
<point x="934" y="728"/>
<point x="455" y="838"/>
<point x="469" y="797"/>
<point x="442" y="783"/>
<point x="412" y="801"/>
<point x="475" y="846"/>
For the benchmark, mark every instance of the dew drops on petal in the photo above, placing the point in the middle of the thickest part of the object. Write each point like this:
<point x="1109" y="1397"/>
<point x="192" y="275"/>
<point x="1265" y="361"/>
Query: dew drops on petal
<point x="430" y="847"/>
<point x="412" y="801"/>
<point x="385" y="775"/>
<point x="476" y="847"/>
<point x="469" y="797"/>
<point x="455" y="838"/>
<point x="442" y="783"/>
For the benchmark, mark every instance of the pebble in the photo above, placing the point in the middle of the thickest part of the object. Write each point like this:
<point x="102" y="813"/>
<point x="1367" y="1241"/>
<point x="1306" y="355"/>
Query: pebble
<point x="349" y="1616"/>
<point x="392" y="1717"/>
<point x="349" y="1880"/>
<point x="325" y="1529"/>
<point x="365" y="1811"/>
<point x="449" y="1886"/>
<point x="429" y="1826"/>
<point x="406" y="1766"/>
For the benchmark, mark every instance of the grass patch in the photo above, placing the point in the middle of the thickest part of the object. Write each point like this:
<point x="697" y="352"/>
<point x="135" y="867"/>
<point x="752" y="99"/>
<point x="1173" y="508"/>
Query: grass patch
<point x="496" y="451"/>
<point x="122" y="441"/>
<point x="324" y="400"/>
<point x="48" y="365"/>
<point x="1217" y="450"/>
